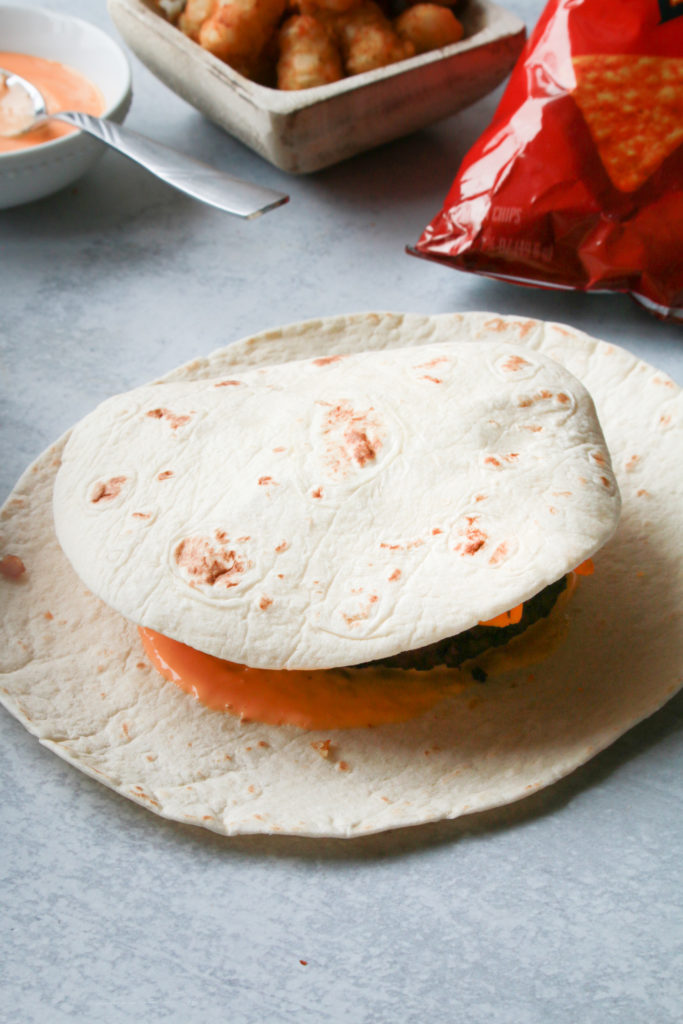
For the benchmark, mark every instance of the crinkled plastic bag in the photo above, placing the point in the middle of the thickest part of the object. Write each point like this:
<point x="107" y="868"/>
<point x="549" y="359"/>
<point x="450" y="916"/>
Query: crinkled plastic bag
<point x="578" y="181"/>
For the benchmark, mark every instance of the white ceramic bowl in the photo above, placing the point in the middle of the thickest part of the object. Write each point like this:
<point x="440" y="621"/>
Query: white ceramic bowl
<point x="306" y="130"/>
<point x="37" y="171"/>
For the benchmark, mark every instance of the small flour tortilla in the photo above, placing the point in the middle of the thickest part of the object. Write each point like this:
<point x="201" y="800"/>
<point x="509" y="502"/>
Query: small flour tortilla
<point x="73" y="670"/>
<point x="330" y="512"/>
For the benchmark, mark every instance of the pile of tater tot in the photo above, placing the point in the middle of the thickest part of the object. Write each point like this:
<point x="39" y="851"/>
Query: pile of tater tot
<point x="298" y="44"/>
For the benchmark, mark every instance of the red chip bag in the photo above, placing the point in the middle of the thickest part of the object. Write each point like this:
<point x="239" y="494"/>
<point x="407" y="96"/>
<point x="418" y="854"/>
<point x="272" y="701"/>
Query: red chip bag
<point x="578" y="181"/>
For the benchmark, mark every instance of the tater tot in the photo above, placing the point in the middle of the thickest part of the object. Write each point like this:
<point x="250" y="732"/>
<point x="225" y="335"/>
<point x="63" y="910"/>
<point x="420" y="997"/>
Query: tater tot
<point x="328" y="6"/>
<point x="367" y="39"/>
<point x="238" y="31"/>
<point x="308" y="57"/>
<point x="428" y="26"/>
<point x="194" y="15"/>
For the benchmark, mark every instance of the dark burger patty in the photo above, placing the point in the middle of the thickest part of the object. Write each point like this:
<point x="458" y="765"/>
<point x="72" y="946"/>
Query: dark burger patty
<point x="454" y="650"/>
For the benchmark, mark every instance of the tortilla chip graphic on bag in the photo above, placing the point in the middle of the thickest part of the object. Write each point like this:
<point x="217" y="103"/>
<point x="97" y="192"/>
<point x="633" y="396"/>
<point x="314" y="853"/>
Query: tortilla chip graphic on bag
<point x="633" y="106"/>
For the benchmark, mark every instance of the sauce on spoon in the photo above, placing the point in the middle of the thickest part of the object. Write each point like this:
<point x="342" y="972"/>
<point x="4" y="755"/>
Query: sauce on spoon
<point x="61" y="86"/>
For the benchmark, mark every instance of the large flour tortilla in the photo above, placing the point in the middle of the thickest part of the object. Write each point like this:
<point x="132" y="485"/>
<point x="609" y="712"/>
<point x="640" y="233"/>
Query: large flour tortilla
<point x="330" y="512"/>
<point x="74" y="674"/>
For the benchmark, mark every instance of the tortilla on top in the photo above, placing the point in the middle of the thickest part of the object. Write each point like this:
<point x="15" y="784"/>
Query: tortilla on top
<point x="74" y="670"/>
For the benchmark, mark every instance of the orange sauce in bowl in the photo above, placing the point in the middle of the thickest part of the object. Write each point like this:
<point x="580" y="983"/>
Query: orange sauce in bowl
<point x="62" y="88"/>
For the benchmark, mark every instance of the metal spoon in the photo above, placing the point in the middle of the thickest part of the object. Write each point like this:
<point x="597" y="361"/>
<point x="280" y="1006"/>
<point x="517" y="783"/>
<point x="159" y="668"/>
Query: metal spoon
<point x="182" y="172"/>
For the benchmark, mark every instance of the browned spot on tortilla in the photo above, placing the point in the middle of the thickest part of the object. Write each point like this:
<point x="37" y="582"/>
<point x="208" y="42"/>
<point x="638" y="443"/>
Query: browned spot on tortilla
<point x="432" y="362"/>
<point x="317" y="493"/>
<point x="280" y="448"/>
<point x="492" y="461"/>
<point x="496" y="324"/>
<point x="562" y="494"/>
<point x="262" y="743"/>
<point x="322" y="747"/>
<point x="434" y="380"/>
<point x="145" y="796"/>
<point x="515" y="363"/>
<point x="243" y="540"/>
<point x="265" y="602"/>
<point x="598" y="457"/>
<point x="395" y="575"/>
<point x="364" y="612"/>
<point x="533" y="427"/>
<point x="665" y="419"/>
<point x="208" y="564"/>
<point x="265" y="481"/>
<point x="632" y="463"/>
<point x="361" y="447"/>
<point x="124" y="728"/>
<point x="172" y="418"/>
<point x="282" y="546"/>
<point x="108" y="490"/>
<point x="48" y="615"/>
<point x="12" y="567"/>
<point x="480" y="497"/>
<point x="552" y="510"/>
<point x="605" y="482"/>
<point x="436" y="531"/>
<point x="165" y="475"/>
<point x="343" y="766"/>
<point x="527" y="401"/>
<point x="352" y="437"/>
<point x="475" y="539"/>
<point x="511" y="456"/>
<point x="642" y="493"/>
<point x="403" y="547"/>
<point x="141" y="665"/>
<point x="141" y="515"/>
<point x="499" y="554"/>
<point x="326" y="360"/>
<point x="227" y="383"/>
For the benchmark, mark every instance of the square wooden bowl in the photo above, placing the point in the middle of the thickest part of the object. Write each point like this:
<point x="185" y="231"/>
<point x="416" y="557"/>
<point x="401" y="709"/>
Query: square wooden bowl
<point x="309" y="129"/>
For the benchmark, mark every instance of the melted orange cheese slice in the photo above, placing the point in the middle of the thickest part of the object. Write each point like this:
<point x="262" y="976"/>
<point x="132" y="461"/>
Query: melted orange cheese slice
<point x="322" y="699"/>
<point x="341" y="698"/>
<point x="505" y="618"/>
